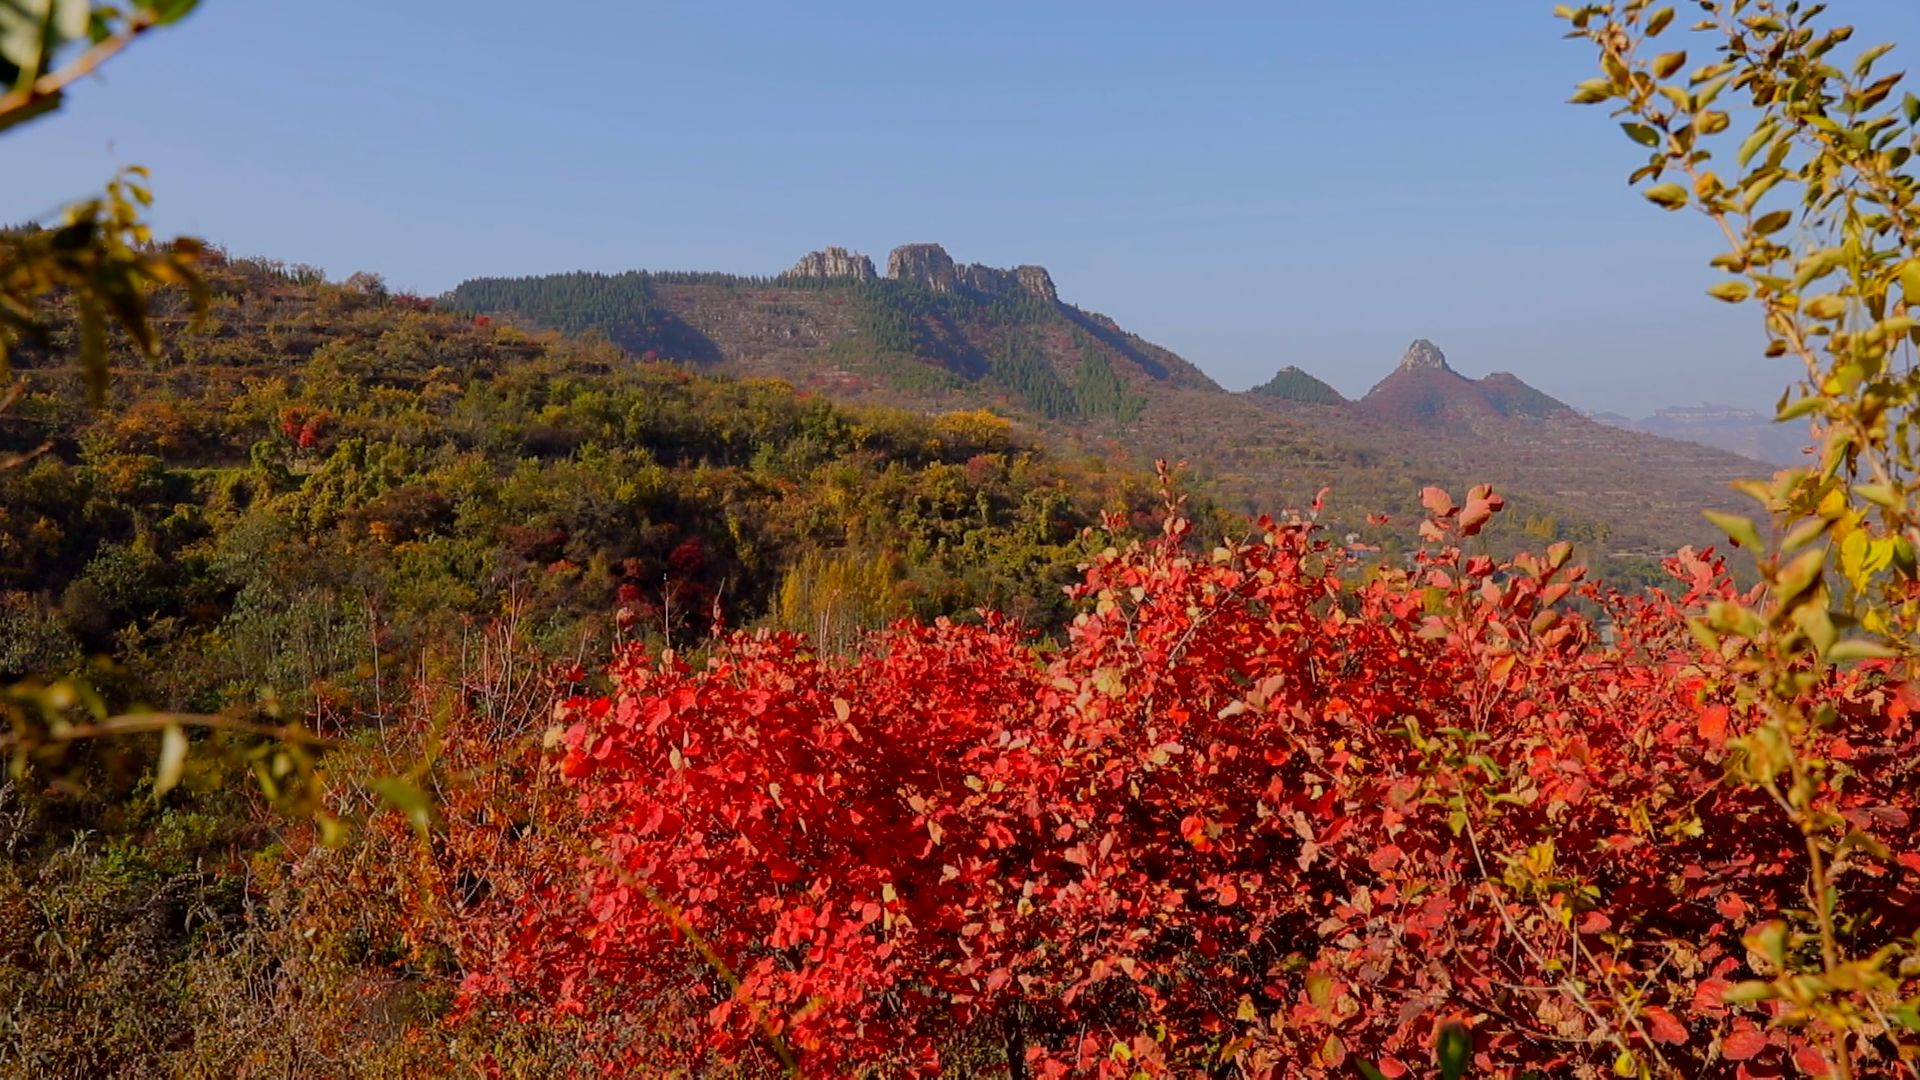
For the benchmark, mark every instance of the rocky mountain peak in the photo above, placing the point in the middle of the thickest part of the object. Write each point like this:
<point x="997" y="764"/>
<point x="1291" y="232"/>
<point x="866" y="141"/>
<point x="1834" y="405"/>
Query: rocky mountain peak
<point x="1424" y="355"/>
<point x="923" y="264"/>
<point x="834" y="262"/>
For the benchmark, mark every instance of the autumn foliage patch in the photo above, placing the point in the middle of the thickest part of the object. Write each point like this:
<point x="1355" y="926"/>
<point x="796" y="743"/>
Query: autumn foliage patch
<point x="1264" y="812"/>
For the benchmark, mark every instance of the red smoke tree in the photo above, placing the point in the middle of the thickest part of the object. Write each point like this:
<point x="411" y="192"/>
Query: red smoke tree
<point x="1265" y="809"/>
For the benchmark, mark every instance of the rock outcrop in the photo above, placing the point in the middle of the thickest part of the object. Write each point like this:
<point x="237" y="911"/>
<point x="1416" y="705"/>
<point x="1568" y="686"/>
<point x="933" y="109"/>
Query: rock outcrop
<point x="1037" y="281"/>
<point x="834" y="262"/>
<point x="930" y="266"/>
<point x="1424" y="355"/>
<point x="927" y="265"/>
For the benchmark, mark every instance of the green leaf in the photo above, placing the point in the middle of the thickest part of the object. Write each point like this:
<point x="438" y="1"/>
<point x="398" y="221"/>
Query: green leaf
<point x="1809" y="404"/>
<point x="1592" y="92"/>
<point x="1641" y="134"/>
<point x="93" y="348"/>
<point x="1752" y="990"/>
<point x="32" y="30"/>
<point x="1865" y="64"/>
<point x="1668" y="196"/>
<point x="1768" y="224"/>
<point x="1860" y="649"/>
<point x="1799" y="576"/>
<point x="1884" y="495"/>
<point x="402" y="795"/>
<point x="1668" y="63"/>
<point x="1453" y="1046"/>
<point x="1732" y="292"/>
<point x="1659" y="21"/>
<point x="1707" y="94"/>
<point x="1740" y="530"/>
<point x="1754" y="142"/>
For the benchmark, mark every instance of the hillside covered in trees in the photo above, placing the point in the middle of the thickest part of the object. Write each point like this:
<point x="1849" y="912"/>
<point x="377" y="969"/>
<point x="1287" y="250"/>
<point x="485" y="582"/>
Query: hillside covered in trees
<point x="324" y="481"/>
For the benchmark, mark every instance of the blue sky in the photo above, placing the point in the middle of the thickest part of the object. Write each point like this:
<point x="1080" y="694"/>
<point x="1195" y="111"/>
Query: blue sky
<point x="1249" y="184"/>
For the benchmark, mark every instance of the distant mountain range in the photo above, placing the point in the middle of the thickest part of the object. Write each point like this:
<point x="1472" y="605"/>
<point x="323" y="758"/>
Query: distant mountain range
<point x="933" y="334"/>
<point x="1747" y="432"/>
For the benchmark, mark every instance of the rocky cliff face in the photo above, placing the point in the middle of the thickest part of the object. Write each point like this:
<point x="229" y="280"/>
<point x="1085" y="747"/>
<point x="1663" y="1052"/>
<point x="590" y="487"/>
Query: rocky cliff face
<point x="1037" y="281"/>
<point x="928" y="265"/>
<point x="834" y="262"/>
<point x="1032" y="280"/>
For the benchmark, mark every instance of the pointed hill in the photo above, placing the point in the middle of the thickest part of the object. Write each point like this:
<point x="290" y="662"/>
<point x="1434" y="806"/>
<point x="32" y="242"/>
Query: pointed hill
<point x="1292" y="384"/>
<point x="1425" y="390"/>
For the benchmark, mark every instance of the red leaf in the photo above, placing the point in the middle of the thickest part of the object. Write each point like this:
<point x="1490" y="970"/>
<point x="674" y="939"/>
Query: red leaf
<point x="1743" y="1043"/>
<point x="1664" y="1026"/>
<point x="1707" y="996"/>
<point x="1713" y="725"/>
<point x="1811" y="1062"/>
<point x="1384" y="859"/>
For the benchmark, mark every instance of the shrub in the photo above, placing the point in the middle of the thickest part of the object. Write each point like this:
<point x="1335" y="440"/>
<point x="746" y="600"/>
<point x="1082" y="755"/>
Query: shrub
<point x="1259" y="811"/>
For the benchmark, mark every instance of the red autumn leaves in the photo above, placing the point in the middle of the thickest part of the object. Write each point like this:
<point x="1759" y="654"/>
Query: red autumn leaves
<point x="305" y="427"/>
<point x="1259" y="808"/>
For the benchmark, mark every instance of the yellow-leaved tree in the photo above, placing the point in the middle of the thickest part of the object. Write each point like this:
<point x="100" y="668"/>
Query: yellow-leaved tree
<point x="1799" y="144"/>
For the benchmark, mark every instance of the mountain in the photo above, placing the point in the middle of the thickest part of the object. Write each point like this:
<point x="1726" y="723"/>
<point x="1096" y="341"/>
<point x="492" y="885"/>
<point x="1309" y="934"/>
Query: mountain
<point x="1741" y="431"/>
<point x="931" y="329"/>
<point x="932" y="334"/>
<point x="1423" y="390"/>
<point x="1292" y="384"/>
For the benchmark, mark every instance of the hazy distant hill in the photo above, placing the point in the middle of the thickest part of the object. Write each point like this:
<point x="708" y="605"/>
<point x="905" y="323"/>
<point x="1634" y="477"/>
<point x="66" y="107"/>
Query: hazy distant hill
<point x="933" y="334"/>
<point x="1741" y="431"/>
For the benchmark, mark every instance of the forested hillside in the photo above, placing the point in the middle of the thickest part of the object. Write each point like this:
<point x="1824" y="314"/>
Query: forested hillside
<point x="326" y="480"/>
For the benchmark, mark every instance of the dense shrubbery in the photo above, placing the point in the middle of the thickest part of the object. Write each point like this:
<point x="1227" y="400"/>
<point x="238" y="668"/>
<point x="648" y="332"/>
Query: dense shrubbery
<point x="1256" y="814"/>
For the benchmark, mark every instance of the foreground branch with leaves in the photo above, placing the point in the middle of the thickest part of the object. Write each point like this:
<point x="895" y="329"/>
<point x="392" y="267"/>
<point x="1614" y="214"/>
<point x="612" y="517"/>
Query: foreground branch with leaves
<point x="1820" y="210"/>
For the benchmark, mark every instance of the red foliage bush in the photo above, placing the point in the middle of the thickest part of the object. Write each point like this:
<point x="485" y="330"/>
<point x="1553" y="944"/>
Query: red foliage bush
<point x="306" y="428"/>
<point x="1262" y="810"/>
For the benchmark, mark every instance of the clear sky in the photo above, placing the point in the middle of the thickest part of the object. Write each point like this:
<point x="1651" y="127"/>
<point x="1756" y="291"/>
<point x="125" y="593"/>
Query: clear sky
<point x="1249" y="184"/>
